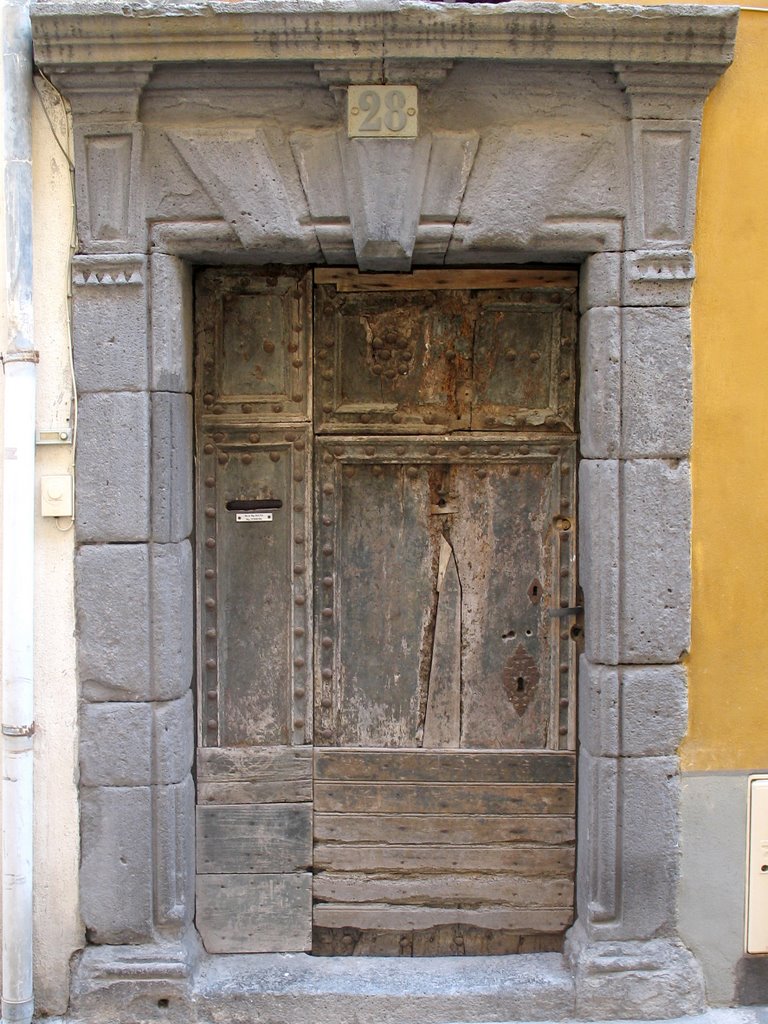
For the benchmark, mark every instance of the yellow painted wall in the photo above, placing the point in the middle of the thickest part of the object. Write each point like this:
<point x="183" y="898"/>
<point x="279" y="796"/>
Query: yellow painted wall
<point x="728" y="664"/>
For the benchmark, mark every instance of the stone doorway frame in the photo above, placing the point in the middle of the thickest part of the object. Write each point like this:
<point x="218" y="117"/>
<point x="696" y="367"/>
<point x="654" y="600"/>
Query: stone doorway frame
<point x="134" y="586"/>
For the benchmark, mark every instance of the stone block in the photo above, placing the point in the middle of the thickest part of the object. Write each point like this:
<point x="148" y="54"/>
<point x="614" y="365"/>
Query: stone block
<point x="174" y="813"/>
<point x="172" y="328"/>
<point x="628" y="846"/>
<point x="173" y="740"/>
<point x="656" y="406"/>
<point x="656" y="560"/>
<point x="136" y="744"/>
<point x="600" y="283"/>
<point x="599" y="557"/>
<point x="113" y="468"/>
<point x="172" y="499"/>
<point x="598" y="872"/>
<point x="109" y="323"/>
<point x="599" y="708"/>
<point x="654" y="710"/>
<point x="657" y="278"/>
<point x="116" y="864"/>
<point x="111" y="600"/>
<point x="147" y="982"/>
<point x="633" y="980"/>
<point x="600" y="400"/>
<point x="172" y="629"/>
<point x="116" y="744"/>
<point x="664" y="170"/>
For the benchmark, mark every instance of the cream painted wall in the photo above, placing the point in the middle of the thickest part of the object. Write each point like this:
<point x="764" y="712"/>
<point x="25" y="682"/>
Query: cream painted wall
<point x="57" y="927"/>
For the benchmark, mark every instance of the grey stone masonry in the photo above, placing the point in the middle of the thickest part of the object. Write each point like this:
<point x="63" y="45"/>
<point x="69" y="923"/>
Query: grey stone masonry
<point x="171" y="323"/>
<point x="600" y="399"/>
<point x="109" y="323"/>
<point x="136" y="744"/>
<point x="600" y="555"/>
<point x="134" y="605"/>
<point x="631" y="711"/>
<point x="656" y="561"/>
<point x="655" y="383"/>
<point x="628" y="826"/>
<point x="172" y="446"/>
<point x="112" y="485"/>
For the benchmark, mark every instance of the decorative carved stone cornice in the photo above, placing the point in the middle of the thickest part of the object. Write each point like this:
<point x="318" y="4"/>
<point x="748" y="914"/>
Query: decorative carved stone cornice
<point x="68" y="34"/>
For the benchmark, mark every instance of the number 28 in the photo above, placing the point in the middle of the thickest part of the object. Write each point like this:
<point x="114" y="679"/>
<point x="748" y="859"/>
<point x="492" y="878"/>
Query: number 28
<point x="394" y="111"/>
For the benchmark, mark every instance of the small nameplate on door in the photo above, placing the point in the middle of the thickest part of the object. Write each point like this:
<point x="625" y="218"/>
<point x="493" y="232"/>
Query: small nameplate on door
<point x="253" y="517"/>
<point x="382" y="111"/>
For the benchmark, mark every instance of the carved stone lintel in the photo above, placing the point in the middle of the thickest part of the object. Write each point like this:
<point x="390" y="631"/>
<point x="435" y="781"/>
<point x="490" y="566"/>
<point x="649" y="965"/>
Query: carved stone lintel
<point x="389" y="197"/>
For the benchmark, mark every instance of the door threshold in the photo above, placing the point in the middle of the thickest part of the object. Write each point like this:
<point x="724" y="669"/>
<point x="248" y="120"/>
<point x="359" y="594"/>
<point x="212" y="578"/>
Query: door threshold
<point x="358" y="990"/>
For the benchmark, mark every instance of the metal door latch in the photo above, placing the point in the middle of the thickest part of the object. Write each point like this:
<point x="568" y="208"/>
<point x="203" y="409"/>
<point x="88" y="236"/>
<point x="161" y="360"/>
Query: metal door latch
<point x="563" y="613"/>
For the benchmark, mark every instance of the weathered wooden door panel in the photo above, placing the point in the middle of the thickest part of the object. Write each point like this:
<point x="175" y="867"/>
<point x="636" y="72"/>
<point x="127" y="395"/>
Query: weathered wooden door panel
<point x="254" y="535"/>
<point x="409" y="527"/>
<point x="524" y="360"/>
<point x="252" y="332"/>
<point x="457" y="353"/>
<point x="442" y="844"/>
<point x="253" y="553"/>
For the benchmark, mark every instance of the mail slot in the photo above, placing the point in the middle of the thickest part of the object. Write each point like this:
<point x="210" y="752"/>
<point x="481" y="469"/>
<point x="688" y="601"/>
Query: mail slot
<point x="253" y="504"/>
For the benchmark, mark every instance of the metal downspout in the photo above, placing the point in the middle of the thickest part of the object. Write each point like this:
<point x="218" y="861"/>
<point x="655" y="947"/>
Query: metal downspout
<point x="19" y="359"/>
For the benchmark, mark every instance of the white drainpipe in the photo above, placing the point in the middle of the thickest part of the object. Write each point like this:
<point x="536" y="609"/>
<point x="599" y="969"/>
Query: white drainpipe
<point x="19" y="364"/>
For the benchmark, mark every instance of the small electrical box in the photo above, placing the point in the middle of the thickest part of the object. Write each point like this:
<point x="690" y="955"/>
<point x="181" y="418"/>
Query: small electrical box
<point x="757" y="866"/>
<point x="56" y="496"/>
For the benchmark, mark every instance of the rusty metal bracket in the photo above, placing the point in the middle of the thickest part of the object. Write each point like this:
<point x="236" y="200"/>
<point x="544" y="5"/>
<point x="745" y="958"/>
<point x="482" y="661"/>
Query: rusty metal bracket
<point x="563" y="613"/>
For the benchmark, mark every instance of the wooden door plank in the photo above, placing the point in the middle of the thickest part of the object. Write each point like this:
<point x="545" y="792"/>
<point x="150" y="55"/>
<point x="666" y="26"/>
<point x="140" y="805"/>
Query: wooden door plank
<point x="439" y="829"/>
<point x="255" y="913"/>
<point x="259" y="764"/>
<point x="463" y="766"/>
<point x="540" y="861"/>
<point x="443" y="798"/>
<point x="443" y="889"/>
<point x="262" y="839"/>
<point x="254" y="792"/>
<point x="407" y="918"/>
<point x="348" y="280"/>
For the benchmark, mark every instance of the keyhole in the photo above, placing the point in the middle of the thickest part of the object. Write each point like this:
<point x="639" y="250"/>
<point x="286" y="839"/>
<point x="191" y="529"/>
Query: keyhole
<point x="520" y="684"/>
<point x="534" y="591"/>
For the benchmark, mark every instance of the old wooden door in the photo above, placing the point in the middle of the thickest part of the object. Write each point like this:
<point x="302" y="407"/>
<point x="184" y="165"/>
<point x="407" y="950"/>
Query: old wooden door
<point x="393" y="774"/>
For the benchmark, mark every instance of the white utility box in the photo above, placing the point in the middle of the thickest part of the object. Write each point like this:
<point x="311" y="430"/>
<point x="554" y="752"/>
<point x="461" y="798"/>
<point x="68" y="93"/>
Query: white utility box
<point x="757" y="866"/>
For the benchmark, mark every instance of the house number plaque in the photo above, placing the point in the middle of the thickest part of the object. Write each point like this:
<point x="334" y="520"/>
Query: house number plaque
<point x="382" y="111"/>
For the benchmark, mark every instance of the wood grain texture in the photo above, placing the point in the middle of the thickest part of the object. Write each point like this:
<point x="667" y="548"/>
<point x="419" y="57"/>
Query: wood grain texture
<point x="254" y="792"/>
<point x="348" y="280"/>
<point x="444" y="889"/>
<point x="438" y="829"/>
<point x="440" y="940"/>
<point x="460" y="766"/>
<point x="443" y="798"/>
<point x="406" y="918"/>
<point x="536" y="861"/>
<point x="263" y="839"/>
<point x="255" y="913"/>
<point x="254" y="775"/>
<point x="260" y="764"/>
